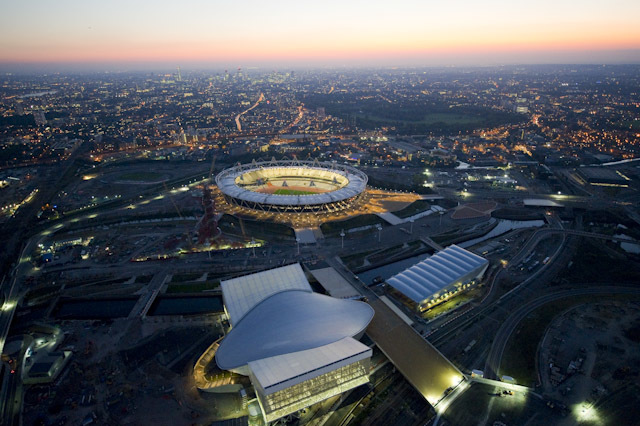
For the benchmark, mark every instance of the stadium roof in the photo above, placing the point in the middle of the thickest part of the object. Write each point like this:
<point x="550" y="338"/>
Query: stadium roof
<point x="226" y="182"/>
<point x="291" y="321"/>
<point x="277" y="372"/>
<point x="437" y="272"/>
<point x="243" y="293"/>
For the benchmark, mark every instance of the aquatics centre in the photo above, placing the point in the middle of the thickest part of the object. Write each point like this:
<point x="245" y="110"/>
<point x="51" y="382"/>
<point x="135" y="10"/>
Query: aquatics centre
<point x="296" y="346"/>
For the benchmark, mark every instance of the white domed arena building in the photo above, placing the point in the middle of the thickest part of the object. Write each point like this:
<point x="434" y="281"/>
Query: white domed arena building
<point x="295" y="346"/>
<point x="292" y="186"/>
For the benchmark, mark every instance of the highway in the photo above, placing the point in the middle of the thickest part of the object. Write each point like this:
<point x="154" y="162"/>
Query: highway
<point x="492" y="365"/>
<point x="238" y="124"/>
<point x="11" y="391"/>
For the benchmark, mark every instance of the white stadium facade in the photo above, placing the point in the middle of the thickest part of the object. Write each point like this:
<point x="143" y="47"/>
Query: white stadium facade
<point x="439" y="277"/>
<point x="297" y="347"/>
<point x="292" y="186"/>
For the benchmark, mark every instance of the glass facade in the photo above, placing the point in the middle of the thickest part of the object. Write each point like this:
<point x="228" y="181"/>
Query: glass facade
<point x="311" y="391"/>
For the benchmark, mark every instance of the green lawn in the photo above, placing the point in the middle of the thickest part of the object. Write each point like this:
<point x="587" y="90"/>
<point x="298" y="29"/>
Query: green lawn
<point x="593" y="264"/>
<point x="187" y="276"/>
<point x="354" y="222"/>
<point x="284" y="191"/>
<point x="414" y="208"/>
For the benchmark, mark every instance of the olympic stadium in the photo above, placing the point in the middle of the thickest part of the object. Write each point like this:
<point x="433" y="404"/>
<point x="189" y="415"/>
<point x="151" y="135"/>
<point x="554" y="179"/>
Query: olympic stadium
<point x="292" y="186"/>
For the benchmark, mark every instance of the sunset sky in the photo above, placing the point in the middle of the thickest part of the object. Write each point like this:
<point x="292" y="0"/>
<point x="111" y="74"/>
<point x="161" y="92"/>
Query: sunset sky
<point x="317" y="33"/>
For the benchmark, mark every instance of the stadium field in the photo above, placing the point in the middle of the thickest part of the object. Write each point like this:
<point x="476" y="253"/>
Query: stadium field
<point x="283" y="191"/>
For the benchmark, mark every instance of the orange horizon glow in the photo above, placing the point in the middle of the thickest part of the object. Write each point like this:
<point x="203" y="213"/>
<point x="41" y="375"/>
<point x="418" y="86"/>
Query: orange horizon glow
<point x="375" y="31"/>
<point x="207" y="53"/>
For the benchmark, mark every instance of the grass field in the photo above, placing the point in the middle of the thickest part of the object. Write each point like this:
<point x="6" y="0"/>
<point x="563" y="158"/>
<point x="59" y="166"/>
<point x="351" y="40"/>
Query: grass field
<point x="414" y="208"/>
<point x="292" y="192"/>
<point x="141" y="176"/>
<point x="187" y="276"/>
<point x="354" y="222"/>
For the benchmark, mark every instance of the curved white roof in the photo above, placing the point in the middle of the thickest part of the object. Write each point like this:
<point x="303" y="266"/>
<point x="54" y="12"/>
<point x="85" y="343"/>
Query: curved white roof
<point x="357" y="182"/>
<point x="291" y="321"/>
<point x="437" y="272"/>
<point x="275" y="373"/>
<point x="241" y="294"/>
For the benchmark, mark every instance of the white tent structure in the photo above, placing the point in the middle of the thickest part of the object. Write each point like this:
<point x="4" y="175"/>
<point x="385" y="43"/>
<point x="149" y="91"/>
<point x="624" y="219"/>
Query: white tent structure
<point x="439" y="276"/>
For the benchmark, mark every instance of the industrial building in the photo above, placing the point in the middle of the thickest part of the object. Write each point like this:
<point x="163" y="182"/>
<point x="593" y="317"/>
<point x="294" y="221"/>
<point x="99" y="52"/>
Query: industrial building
<point x="602" y="176"/>
<point x="297" y="347"/>
<point x="438" y="277"/>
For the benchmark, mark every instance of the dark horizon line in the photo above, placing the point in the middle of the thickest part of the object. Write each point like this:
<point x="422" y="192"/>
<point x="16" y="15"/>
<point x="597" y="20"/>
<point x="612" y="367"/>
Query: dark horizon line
<point x="186" y="67"/>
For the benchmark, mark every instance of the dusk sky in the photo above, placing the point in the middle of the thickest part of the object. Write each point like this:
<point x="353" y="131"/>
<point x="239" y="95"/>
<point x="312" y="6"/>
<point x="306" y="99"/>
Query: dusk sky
<point x="323" y="32"/>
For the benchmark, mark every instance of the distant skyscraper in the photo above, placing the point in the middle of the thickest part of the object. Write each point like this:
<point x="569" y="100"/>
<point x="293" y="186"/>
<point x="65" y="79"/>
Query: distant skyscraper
<point x="179" y="74"/>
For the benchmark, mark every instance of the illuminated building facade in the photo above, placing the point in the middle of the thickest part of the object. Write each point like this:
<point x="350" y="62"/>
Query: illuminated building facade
<point x="438" y="278"/>
<point x="296" y="346"/>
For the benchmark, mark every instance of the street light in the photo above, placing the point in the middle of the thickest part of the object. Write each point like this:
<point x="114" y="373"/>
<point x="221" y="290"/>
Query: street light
<point x="253" y="246"/>
<point x="411" y="228"/>
<point x="441" y="213"/>
<point x="298" y="244"/>
<point x="379" y="227"/>
<point x="342" y="237"/>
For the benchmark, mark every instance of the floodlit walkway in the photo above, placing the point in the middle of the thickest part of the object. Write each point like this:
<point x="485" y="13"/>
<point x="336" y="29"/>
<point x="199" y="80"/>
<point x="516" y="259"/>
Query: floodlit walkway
<point x="207" y="383"/>
<point x="419" y="362"/>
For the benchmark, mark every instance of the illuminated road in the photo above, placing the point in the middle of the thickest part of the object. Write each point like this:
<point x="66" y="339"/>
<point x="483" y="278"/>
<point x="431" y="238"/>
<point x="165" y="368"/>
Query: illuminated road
<point x="12" y="389"/>
<point x="492" y="365"/>
<point x="238" y="124"/>
<point x="11" y="291"/>
<point x="295" y="121"/>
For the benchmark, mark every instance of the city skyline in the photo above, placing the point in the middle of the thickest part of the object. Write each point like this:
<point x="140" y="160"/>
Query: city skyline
<point x="410" y="33"/>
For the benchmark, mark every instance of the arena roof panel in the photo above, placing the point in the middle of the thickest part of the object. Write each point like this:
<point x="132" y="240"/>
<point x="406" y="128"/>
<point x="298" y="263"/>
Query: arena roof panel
<point x="277" y="372"/>
<point x="243" y="293"/>
<point x="437" y="272"/>
<point x="291" y="321"/>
